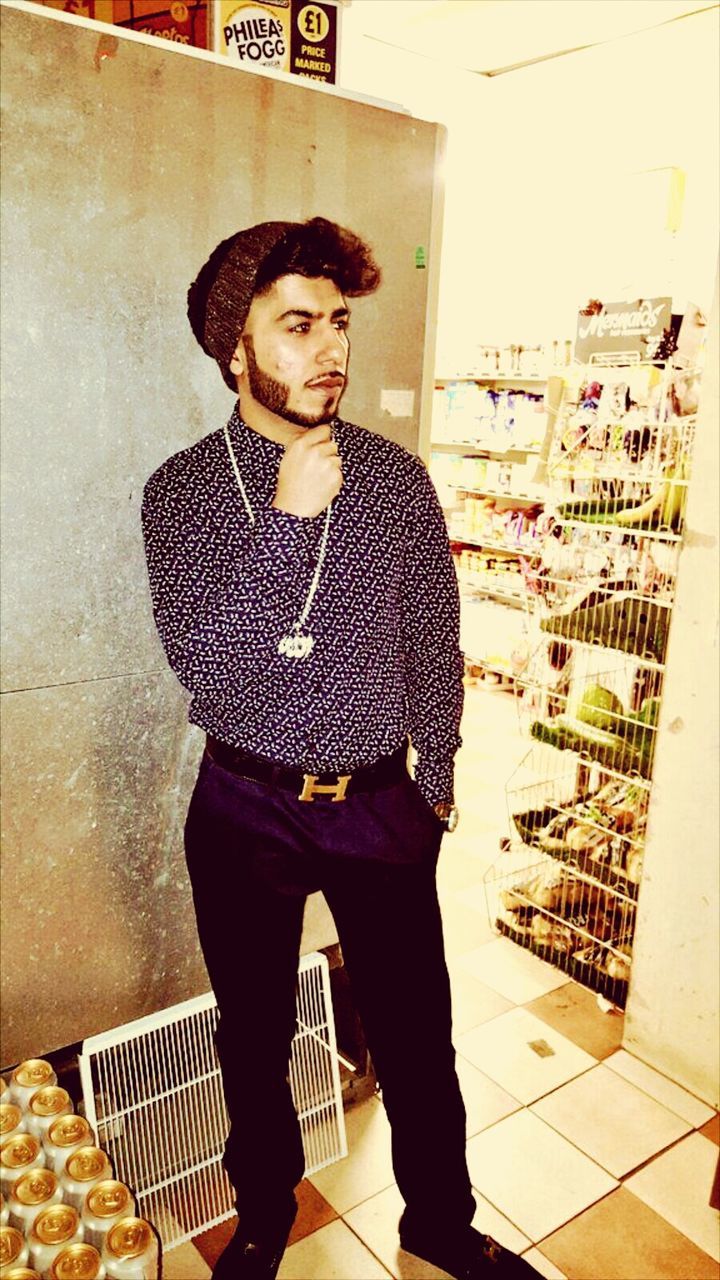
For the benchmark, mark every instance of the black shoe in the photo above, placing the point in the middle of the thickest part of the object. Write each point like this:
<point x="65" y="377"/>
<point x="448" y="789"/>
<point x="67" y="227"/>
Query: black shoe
<point x="246" y="1259"/>
<point x="468" y="1256"/>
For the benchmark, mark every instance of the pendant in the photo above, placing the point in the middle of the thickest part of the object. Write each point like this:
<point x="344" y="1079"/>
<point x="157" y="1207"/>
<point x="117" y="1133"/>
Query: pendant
<point x="296" y="645"/>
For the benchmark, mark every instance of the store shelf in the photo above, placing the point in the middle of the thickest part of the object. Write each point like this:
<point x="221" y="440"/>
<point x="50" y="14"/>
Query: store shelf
<point x="524" y="499"/>
<point x="510" y="598"/>
<point x="649" y="664"/>
<point x="494" y="665"/>
<point x="503" y="548"/>
<point x="537" y="379"/>
<point x="474" y="450"/>
<point x="635" y="531"/>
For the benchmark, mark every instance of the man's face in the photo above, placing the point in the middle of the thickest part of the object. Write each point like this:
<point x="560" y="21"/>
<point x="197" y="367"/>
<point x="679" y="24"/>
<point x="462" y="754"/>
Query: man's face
<point x="293" y="355"/>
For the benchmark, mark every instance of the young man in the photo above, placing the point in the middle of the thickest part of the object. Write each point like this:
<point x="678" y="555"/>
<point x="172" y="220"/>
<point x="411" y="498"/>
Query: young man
<point x="305" y="594"/>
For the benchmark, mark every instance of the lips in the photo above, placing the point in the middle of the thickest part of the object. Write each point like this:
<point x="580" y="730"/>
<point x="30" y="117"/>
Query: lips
<point x="328" y="382"/>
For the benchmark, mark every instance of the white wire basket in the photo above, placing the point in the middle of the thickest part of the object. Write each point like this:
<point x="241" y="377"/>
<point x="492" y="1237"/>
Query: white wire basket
<point x="566" y="884"/>
<point x="604" y="707"/>
<point x="152" y="1092"/>
<point x="565" y="917"/>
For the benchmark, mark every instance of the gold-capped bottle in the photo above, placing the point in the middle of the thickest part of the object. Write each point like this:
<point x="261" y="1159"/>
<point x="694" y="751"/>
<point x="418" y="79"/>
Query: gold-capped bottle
<point x="47" y="1105"/>
<point x="104" y="1205"/>
<point x="78" y="1262"/>
<point x="83" y="1169"/>
<point x="32" y="1074"/>
<point x="64" y="1136"/>
<point x="21" y="1273"/>
<point x="53" y="1230"/>
<point x="12" y="1121"/>
<point x="14" y="1251"/>
<point x="19" y="1155"/>
<point x="4" y="1212"/>
<point x="130" y="1251"/>
<point x="32" y="1193"/>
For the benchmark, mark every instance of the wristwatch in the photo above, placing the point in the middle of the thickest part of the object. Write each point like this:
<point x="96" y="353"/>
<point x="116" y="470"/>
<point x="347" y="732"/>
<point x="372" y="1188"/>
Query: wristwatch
<point x="448" y="814"/>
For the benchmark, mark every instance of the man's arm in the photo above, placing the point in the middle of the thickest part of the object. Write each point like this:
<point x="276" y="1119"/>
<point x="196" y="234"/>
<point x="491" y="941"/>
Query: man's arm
<point x="431" y="625"/>
<point x="220" y="624"/>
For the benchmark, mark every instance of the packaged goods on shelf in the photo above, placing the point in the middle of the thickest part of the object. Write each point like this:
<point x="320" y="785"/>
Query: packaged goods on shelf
<point x="493" y="638"/>
<point x="600" y="594"/>
<point x="498" y="420"/>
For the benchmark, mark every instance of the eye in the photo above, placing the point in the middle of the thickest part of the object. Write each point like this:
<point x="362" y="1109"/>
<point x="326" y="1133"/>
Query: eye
<point x="302" y="327"/>
<point x="342" y="323"/>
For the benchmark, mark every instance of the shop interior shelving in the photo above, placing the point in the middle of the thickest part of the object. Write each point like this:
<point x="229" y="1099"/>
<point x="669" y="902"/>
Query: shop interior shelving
<point x="601" y="594"/>
<point x="488" y="430"/>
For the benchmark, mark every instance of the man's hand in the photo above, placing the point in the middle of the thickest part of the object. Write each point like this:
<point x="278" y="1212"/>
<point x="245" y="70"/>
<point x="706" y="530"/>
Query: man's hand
<point x="310" y="474"/>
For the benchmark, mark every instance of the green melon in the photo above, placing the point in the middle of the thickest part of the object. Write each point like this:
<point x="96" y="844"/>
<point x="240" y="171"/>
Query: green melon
<point x="601" y="708"/>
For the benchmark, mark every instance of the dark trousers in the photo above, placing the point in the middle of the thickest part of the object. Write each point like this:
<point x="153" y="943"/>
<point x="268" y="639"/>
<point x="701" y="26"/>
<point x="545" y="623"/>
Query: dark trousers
<point x="253" y="854"/>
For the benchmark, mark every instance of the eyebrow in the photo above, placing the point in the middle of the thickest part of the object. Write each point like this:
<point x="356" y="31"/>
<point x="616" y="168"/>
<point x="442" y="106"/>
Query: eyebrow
<point x="313" y="315"/>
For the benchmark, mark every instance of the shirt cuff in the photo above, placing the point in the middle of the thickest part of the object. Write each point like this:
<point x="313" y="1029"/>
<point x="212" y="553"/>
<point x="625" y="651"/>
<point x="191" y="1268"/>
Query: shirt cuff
<point x="435" y="780"/>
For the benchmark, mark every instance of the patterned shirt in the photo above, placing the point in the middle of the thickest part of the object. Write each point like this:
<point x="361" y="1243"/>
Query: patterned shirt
<point x="385" y="619"/>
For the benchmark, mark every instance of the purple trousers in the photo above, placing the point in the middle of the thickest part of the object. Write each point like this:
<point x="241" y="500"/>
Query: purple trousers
<point x="254" y="853"/>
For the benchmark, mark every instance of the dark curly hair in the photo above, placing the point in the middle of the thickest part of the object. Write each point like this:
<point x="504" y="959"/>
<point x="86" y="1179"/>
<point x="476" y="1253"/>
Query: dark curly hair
<point x="319" y="248"/>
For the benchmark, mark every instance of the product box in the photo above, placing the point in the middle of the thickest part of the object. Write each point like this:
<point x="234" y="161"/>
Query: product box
<point x="182" y="21"/>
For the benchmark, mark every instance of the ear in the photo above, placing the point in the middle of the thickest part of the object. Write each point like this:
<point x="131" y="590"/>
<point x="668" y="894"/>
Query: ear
<point x="238" y="364"/>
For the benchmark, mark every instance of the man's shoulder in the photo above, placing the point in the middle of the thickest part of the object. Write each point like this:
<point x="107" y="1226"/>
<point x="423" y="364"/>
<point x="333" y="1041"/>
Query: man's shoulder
<point x="369" y="446"/>
<point x="185" y="469"/>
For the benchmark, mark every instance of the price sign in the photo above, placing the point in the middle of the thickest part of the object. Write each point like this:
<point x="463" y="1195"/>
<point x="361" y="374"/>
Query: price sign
<point x="314" y="39"/>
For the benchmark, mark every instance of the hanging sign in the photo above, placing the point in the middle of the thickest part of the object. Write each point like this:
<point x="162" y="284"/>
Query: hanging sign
<point x="314" y="40"/>
<point x="253" y="33"/>
<point x="623" y="326"/>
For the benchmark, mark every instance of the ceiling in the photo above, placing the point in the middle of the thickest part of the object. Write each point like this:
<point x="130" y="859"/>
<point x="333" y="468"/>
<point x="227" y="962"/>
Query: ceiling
<point x="492" y="37"/>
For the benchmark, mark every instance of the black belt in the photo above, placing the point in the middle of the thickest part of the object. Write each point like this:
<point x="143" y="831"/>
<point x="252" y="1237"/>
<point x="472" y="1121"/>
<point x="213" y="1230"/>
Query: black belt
<point x="385" y="772"/>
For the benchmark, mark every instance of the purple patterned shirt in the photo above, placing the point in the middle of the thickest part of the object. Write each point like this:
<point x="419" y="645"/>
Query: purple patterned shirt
<point x="386" y="660"/>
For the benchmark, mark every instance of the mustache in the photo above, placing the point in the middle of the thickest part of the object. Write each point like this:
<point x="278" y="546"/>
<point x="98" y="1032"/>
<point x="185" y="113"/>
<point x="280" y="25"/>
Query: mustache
<point x="335" y="379"/>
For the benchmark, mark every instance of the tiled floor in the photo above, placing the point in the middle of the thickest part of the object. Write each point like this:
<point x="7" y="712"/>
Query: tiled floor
<point x="585" y="1160"/>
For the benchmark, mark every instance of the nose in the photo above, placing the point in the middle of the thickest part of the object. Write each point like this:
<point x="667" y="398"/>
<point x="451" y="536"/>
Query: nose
<point x="333" y="347"/>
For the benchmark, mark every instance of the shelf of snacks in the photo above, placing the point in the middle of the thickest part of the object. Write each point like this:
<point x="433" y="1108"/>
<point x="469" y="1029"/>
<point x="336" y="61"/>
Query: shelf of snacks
<point x="499" y="523"/>
<point x="496" y="419"/>
<point x="514" y="363"/>
<point x="494" y="638"/>
<point x="601" y="592"/>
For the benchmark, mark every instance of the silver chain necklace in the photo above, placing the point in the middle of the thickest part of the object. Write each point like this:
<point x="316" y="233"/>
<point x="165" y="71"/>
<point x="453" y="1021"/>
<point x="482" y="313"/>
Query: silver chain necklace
<point x="294" y="644"/>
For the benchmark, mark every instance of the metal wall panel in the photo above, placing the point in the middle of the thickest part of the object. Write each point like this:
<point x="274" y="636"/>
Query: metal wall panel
<point x="125" y="162"/>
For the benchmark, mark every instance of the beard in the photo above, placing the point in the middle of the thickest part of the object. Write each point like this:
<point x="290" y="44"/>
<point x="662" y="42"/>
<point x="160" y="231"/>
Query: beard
<point x="274" y="395"/>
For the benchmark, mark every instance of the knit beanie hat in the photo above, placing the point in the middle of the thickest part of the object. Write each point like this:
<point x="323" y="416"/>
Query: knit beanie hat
<point x="226" y="298"/>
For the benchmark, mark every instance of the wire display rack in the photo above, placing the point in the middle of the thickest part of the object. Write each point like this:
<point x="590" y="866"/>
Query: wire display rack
<point x="601" y="594"/>
<point x="152" y="1092"/>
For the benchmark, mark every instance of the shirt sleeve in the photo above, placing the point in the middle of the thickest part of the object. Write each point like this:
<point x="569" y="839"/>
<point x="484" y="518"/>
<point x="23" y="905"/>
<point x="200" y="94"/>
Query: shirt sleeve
<point x="220" y="619"/>
<point x="431" y="631"/>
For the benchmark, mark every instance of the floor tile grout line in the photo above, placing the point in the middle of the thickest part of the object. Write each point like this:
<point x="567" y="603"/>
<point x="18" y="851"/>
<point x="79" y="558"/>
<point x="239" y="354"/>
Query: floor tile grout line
<point x="365" y="1244"/>
<point x="652" y="1095"/>
<point x="663" y="1152"/>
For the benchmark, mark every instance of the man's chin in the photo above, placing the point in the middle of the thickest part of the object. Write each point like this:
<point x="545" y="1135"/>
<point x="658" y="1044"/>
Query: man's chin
<point x="309" y="420"/>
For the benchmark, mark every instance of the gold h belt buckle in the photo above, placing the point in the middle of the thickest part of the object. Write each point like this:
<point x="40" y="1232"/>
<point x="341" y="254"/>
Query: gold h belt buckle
<point x="311" y="788"/>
